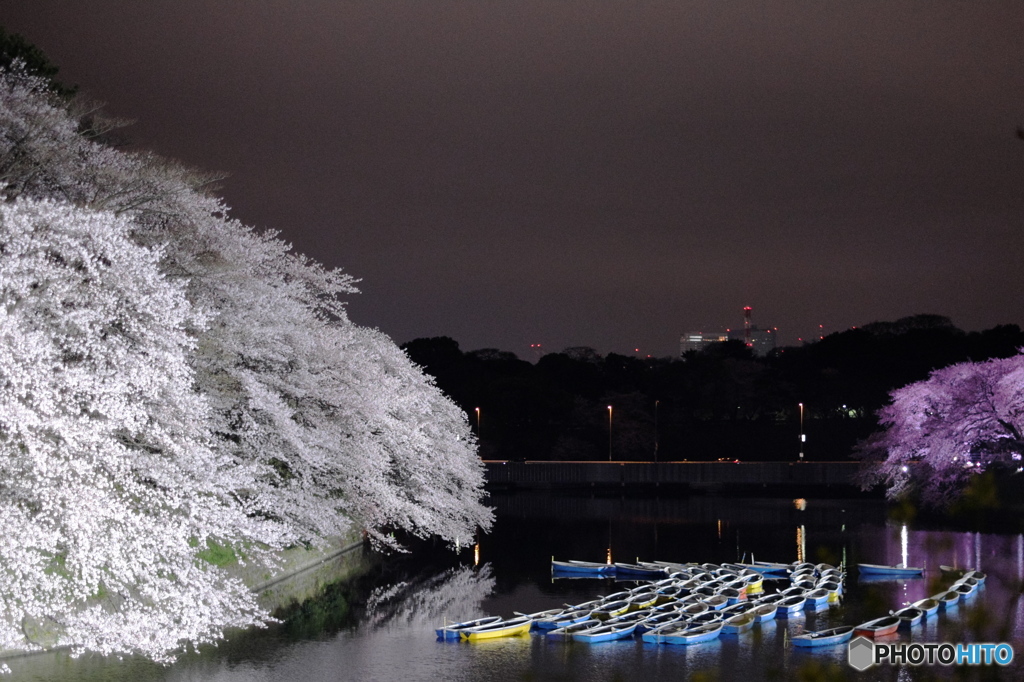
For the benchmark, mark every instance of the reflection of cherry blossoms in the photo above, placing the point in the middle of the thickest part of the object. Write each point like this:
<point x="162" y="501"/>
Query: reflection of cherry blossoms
<point x="964" y="419"/>
<point x="453" y="595"/>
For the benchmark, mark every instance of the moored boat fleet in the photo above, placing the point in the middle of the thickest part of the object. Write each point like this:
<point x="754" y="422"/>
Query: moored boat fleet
<point x="692" y="603"/>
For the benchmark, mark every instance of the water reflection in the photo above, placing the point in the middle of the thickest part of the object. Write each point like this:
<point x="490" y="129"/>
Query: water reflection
<point x="387" y="631"/>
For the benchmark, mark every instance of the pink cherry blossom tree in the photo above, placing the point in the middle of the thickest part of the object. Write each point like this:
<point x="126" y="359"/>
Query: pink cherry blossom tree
<point x="939" y="433"/>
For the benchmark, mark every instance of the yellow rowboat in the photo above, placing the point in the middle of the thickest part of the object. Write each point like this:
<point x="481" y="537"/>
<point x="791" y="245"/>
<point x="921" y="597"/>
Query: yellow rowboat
<point x="503" y="628"/>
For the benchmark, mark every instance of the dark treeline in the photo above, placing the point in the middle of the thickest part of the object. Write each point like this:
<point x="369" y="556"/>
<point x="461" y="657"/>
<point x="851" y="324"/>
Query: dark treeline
<point x="722" y="402"/>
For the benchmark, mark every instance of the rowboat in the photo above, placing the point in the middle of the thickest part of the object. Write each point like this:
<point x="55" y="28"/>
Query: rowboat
<point x="706" y="617"/>
<point x="733" y="595"/>
<point x="736" y="624"/>
<point x="451" y="632"/>
<point x="909" y="616"/>
<point x="829" y="637"/>
<point x="605" y="632"/>
<point x="834" y="589"/>
<point x="791" y="606"/>
<point x="891" y="571"/>
<point x="537" y="615"/>
<point x="610" y="610"/>
<point x="964" y="590"/>
<point x="565" y="633"/>
<point x="696" y="608"/>
<point x="739" y="607"/>
<point x="929" y="606"/>
<point x="693" y="635"/>
<point x="638" y="570"/>
<point x="764" y="612"/>
<point x="642" y="600"/>
<point x="816" y="597"/>
<point x="654" y="622"/>
<point x="977" y="575"/>
<point x="654" y="636"/>
<point x="886" y="625"/>
<point x="755" y="583"/>
<point x="716" y="602"/>
<point x="947" y="599"/>
<point x="584" y="567"/>
<point x="567" y="617"/>
<point x="502" y="628"/>
<point x="768" y="567"/>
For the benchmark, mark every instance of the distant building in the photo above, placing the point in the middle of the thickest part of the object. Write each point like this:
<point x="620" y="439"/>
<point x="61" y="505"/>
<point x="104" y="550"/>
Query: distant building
<point x="760" y="341"/>
<point x="698" y="341"/>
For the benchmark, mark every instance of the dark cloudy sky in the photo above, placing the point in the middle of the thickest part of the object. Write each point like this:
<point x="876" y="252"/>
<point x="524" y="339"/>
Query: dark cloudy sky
<point x="590" y="172"/>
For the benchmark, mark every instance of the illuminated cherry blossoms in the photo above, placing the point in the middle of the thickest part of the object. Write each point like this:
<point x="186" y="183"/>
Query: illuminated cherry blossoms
<point x="170" y="377"/>
<point x="940" y="432"/>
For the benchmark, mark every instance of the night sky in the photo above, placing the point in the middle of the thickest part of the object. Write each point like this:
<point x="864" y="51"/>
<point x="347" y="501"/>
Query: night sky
<point x="609" y="174"/>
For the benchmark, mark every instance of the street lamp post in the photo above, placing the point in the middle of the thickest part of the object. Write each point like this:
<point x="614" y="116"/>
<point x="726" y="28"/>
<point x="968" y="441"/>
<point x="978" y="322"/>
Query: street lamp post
<point x="609" y="433"/>
<point x="656" y="403"/>
<point x="478" y="423"/>
<point x="803" y="438"/>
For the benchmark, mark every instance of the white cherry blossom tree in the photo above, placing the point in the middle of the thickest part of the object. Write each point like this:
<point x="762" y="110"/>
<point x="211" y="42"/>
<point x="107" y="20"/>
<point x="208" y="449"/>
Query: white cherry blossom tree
<point x="108" y="481"/>
<point x="297" y="424"/>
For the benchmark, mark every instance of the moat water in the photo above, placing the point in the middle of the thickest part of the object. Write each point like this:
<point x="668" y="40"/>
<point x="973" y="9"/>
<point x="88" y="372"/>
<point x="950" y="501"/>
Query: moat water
<point x="383" y="628"/>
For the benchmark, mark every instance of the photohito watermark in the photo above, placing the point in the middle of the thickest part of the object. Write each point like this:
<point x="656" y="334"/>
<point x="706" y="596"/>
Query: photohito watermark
<point x="864" y="653"/>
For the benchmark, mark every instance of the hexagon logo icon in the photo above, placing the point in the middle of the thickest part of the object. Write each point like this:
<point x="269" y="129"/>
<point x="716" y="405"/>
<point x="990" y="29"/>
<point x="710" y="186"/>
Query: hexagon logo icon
<point x="861" y="654"/>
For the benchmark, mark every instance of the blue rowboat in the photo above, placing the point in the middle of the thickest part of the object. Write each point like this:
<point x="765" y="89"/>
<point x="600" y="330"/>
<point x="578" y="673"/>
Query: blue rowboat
<point x="502" y="628"/>
<point x="964" y="590"/>
<point x="638" y="570"/>
<point x="739" y="607"/>
<point x="696" y="608"/>
<point x="656" y="621"/>
<point x="642" y="600"/>
<point x="583" y="567"/>
<point x="610" y="610"/>
<point x="816" y="597"/>
<point x="733" y="595"/>
<point x="764" y="612"/>
<point x="829" y="637"/>
<point x="929" y="606"/>
<point x="605" y="632"/>
<point x="947" y="599"/>
<point x="791" y="606"/>
<point x="654" y="636"/>
<point x="737" y="624"/>
<point x="886" y="625"/>
<point x="706" y="617"/>
<point x="773" y="598"/>
<point x="451" y="632"/>
<point x="564" y="634"/>
<point x="834" y="589"/>
<point x="977" y="575"/>
<point x="550" y="613"/>
<point x="890" y="571"/>
<point x="768" y="567"/>
<point x="693" y="635"/>
<point x="567" y="617"/>
<point x="716" y="602"/>
<point x="909" y="616"/>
